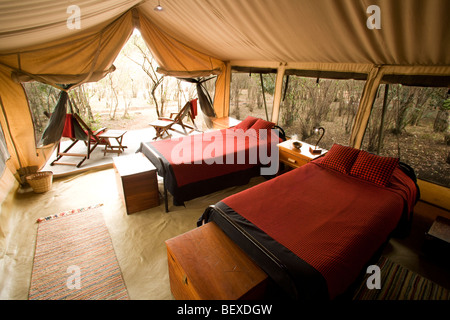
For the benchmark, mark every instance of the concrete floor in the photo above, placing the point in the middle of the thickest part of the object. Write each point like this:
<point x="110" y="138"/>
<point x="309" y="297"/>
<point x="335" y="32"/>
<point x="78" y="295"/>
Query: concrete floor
<point x="98" y="160"/>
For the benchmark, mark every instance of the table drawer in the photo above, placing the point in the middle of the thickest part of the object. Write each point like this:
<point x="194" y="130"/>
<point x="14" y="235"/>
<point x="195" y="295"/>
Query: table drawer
<point x="292" y="160"/>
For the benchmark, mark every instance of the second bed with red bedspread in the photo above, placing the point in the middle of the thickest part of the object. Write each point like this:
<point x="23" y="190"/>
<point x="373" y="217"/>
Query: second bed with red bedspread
<point x="203" y="163"/>
<point x="315" y="228"/>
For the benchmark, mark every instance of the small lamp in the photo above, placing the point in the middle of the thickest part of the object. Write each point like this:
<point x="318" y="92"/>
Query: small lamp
<point x="158" y="7"/>
<point x="315" y="150"/>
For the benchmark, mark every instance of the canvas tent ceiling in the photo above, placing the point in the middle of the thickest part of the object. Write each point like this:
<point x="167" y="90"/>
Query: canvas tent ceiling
<point x="268" y="30"/>
<point x="193" y="37"/>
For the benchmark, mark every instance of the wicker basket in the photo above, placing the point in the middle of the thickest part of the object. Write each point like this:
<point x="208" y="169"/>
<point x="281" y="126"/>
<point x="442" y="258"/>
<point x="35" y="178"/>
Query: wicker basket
<point x="40" y="181"/>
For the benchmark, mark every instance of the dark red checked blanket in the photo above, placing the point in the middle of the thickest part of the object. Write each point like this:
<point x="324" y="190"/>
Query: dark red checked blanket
<point x="331" y="221"/>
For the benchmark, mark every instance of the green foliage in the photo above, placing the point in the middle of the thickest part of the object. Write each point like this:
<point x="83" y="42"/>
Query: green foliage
<point x="438" y="98"/>
<point x="308" y="103"/>
<point x="446" y="104"/>
<point x="246" y="88"/>
<point x="269" y="80"/>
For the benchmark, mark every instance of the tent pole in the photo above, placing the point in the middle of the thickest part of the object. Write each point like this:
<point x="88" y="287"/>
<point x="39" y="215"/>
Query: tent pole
<point x="264" y="96"/>
<point x="277" y="97"/>
<point x="286" y="87"/>
<point x="10" y="135"/>
<point x="383" y="115"/>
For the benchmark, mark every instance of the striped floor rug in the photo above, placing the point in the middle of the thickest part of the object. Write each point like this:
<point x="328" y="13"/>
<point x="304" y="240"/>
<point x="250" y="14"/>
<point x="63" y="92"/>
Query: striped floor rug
<point x="399" y="283"/>
<point x="74" y="259"/>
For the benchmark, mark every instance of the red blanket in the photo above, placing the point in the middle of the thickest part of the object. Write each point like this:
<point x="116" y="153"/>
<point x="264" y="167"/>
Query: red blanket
<point x="212" y="154"/>
<point x="332" y="221"/>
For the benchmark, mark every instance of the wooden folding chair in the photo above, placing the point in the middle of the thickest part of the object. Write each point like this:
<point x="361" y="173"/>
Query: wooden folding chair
<point x="90" y="139"/>
<point x="163" y="125"/>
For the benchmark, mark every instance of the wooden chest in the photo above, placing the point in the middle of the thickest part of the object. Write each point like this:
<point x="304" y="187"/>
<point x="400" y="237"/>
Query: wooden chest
<point x="204" y="264"/>
<point x="137" y="182"/>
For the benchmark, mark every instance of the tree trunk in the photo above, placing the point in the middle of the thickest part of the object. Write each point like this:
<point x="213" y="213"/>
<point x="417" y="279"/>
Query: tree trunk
<point x="112" y="112"/>
<point x="405" y="98"/>
<point x="441" y="121"/>
<point x="236" y="103"/>
<point x="155" y="100"/>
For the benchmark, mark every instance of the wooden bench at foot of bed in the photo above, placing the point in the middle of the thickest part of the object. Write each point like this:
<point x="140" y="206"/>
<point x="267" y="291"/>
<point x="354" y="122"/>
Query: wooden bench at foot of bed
<point x="204" y="264"/>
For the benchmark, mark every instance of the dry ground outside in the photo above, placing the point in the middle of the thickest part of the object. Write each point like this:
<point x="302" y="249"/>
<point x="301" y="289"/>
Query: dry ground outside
<point x="138" y="117"/>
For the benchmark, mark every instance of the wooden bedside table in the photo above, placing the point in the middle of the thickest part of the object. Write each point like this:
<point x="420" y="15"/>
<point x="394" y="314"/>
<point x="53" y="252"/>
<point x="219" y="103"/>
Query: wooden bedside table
<point x="293" y="157"/>
<point x="137" y="182"/>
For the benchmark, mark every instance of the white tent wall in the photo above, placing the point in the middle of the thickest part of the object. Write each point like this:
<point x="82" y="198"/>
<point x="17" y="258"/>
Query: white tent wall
<point x="38" y="39"/>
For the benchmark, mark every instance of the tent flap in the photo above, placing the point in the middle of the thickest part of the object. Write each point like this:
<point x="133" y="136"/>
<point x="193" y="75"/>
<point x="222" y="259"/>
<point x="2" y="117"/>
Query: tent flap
<point x="188" y="74"/>
<point x="52" y="133"/>
<point x="21" y="76"/>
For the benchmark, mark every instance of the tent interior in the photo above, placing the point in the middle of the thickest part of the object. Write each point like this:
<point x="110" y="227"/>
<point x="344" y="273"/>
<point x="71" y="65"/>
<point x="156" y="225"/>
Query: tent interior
<point x="377" y="41"/>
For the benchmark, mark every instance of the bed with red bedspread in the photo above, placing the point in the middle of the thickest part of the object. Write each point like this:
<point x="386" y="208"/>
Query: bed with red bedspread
<point x="315" y="228"/>
<point x="200" y="164"/>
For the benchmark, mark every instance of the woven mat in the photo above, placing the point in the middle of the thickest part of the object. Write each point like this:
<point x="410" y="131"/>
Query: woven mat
<point x="399" y="283"/>
<point x="75" y="259"/>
